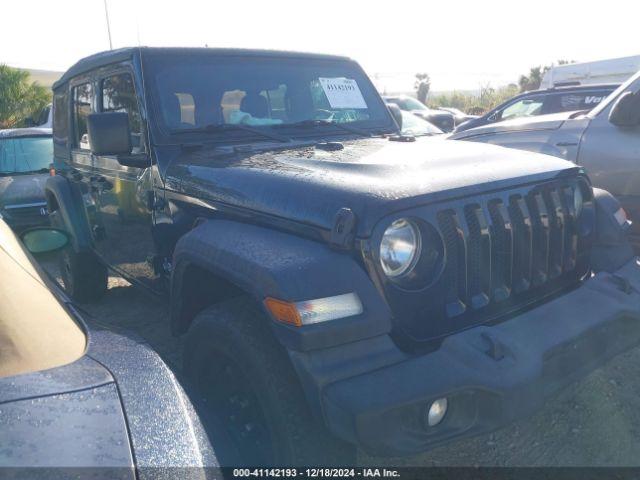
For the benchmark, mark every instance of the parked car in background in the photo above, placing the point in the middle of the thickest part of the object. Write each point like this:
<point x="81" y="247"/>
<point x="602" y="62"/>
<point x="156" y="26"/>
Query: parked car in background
<point x="26" y="156"/>
<point x="74" y="396"/>
<point x="605" y="141"/>
<point x="458" y="115"/>
<point x="46" y="117"/>
<point x="443" y="120"/>
<point x="412" y="125"/>
<point x="338" y="284"/>
<point x="543" y="102"/>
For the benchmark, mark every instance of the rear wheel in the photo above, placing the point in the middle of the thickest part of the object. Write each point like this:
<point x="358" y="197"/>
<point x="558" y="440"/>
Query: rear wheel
<point x="84" y="276"/>
<point x="248" y="386"/>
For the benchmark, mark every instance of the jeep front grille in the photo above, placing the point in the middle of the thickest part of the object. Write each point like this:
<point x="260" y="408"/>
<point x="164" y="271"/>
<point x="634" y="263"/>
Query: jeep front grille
<point x="507" y="245"/>
<point x="502" y="251"/>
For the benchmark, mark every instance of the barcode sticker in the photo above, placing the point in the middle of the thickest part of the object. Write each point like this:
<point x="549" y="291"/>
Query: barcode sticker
<point x="342" y="93"/>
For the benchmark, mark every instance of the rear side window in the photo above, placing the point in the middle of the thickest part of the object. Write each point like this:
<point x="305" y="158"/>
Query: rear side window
<point x="82" y="100"/>
<point x="119" y="95"/>
<point x="61" y="118"/>
<point x="571" y="101"/>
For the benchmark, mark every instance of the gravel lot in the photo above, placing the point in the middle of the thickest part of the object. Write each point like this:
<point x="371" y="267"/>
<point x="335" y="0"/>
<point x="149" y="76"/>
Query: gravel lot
<point x="593" y="423"/>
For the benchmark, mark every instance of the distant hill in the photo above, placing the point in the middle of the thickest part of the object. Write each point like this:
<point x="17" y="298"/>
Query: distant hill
<point x="46" y="78"/>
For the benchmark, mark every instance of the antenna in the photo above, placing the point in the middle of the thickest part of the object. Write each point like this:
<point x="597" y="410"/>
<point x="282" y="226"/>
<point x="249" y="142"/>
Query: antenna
<point x="106" y="14"/>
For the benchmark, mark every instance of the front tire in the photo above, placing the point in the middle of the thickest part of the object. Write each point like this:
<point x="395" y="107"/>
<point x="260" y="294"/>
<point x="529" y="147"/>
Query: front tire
<point x="247" y="384"/>
<point x="84" y="276"/>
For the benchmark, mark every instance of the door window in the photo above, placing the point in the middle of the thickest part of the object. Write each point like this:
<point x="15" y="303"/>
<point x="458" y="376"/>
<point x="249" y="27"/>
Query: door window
<point x="82" y="101"/>
<point x="119" y="95"/>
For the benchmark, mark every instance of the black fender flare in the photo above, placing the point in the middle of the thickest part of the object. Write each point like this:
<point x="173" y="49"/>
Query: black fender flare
<point x="263" y="262"/>
<point x="67" y="212"/>
<point x="611" y="249"/>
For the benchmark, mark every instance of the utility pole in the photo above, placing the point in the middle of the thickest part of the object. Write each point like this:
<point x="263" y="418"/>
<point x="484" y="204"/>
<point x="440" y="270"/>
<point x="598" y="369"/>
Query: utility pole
<point x="106" y="14"/>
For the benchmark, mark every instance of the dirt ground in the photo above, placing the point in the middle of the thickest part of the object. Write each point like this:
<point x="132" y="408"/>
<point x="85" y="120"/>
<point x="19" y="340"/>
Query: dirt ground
<point x="593" y="423"/>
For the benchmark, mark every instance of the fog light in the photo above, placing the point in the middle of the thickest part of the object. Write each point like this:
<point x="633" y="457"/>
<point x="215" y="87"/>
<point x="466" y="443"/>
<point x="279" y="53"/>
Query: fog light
<point x="437" y="411"/>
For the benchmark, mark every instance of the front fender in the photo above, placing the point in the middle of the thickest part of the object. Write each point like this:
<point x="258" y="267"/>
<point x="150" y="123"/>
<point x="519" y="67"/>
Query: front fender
<point x="267" y="263"/>
<point x="66" y="207"/>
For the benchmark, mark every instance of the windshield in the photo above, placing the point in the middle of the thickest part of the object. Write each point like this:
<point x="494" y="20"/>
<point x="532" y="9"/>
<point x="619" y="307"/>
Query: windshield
<point x="416" y="126"/>
<point x="25" y="154"/>
<point x="198" y="91"/>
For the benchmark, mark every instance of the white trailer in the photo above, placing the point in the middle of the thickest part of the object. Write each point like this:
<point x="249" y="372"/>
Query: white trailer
<point x="614" y="70"/>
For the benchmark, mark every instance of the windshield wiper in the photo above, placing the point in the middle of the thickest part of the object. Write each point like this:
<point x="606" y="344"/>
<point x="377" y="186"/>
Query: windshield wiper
<point x="324" y="123"/>
<point x="225" y="127"/>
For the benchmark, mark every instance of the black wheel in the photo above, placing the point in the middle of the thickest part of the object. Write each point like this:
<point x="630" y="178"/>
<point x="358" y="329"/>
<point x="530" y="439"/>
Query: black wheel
<point x="83" y="275"/>
<point x="247" y="385"/>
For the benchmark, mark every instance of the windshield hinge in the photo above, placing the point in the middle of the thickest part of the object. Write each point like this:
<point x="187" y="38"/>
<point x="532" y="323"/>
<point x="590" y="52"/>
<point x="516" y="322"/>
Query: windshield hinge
<point x="343" y="231"/>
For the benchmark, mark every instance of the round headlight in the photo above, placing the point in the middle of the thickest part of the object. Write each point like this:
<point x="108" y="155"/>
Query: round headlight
<point x="399" y="248"/>
<point x="578" y="200"/>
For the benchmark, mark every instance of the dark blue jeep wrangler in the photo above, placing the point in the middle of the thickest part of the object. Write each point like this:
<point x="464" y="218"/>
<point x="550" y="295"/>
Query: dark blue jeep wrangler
<point x="339" y="284"/>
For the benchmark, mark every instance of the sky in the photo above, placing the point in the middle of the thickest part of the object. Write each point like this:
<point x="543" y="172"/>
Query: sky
<point x="461" y="44"/>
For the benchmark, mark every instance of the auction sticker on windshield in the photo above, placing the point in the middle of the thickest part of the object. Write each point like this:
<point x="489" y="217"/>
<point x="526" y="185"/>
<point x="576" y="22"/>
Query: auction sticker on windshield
<point x="343" y="92"/>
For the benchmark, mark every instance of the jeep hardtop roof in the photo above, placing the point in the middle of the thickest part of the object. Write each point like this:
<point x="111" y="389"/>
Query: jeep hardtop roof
<point x="120" y="55"/>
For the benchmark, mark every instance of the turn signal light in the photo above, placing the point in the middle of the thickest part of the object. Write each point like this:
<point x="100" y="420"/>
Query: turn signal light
<point x="319" y="310"/>
<point x="284" y="312"/>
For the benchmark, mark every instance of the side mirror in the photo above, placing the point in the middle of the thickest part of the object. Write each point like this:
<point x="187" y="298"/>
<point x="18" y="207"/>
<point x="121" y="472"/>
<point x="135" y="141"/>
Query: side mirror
<point x="626" y="111"/>
<point x="109" y="133"/>
<point x="396" y="113"/>
<point x="43" y="240"/>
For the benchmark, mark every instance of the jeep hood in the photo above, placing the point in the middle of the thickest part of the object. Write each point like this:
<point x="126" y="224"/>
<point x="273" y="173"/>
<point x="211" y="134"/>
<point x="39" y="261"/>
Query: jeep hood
<point x="373" y="177"/>
<point x="540" y="122"/>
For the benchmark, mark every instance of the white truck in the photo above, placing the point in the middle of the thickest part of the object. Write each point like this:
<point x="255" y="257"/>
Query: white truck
<point x="613" y="70"/>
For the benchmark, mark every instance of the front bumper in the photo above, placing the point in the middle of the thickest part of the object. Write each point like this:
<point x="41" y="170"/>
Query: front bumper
<point x="491" y="375"/>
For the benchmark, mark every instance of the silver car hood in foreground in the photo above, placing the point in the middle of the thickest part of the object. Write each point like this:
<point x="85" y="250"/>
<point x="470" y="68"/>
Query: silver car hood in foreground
<point x="542" y="122"/>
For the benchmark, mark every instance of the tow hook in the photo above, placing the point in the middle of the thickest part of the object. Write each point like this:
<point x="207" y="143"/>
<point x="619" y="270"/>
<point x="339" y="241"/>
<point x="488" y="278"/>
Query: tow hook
<point x="496" y="350"/>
